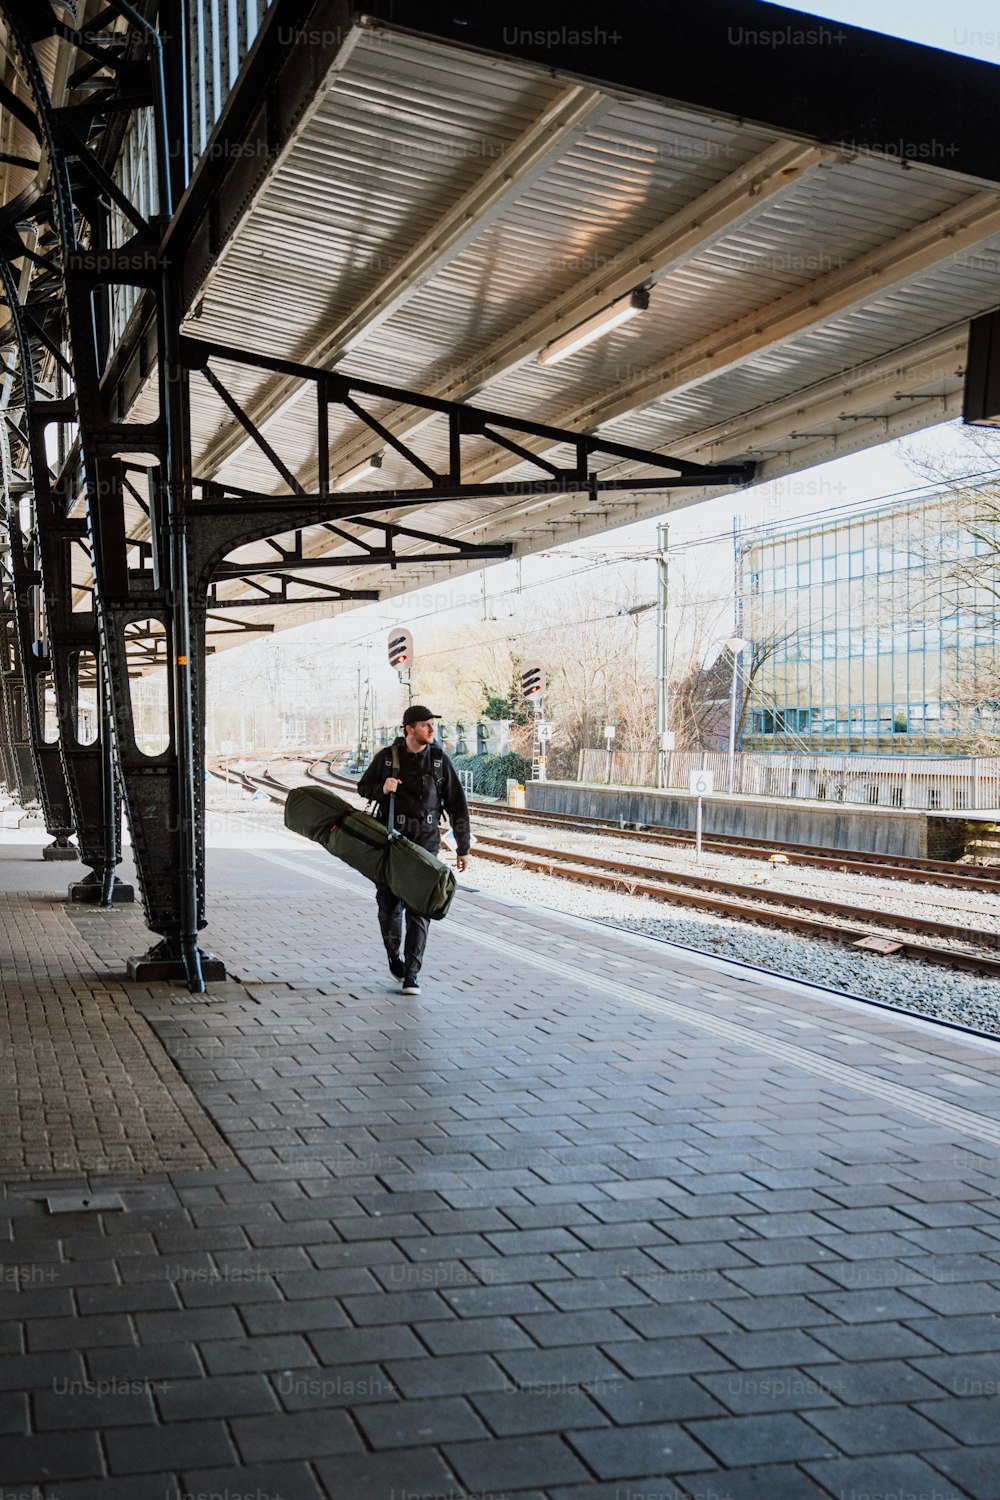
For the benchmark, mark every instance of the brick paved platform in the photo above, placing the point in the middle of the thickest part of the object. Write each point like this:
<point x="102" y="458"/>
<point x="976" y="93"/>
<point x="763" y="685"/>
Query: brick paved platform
<point x="589" y="1218"/>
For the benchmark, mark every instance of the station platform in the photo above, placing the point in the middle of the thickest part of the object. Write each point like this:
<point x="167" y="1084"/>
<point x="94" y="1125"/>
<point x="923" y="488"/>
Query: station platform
<point x="590" y="1217"/>
<point x="863" y="828"/>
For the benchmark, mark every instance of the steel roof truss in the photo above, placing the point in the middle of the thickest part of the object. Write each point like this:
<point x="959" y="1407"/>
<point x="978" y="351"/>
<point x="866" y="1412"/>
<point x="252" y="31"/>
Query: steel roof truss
<point x="726" y="205"/>
<point x="384" y="557"/>
<point x="808" y="307"/>
<point x="562" y="121"/>
<point x="374" y="425"/>
<point x="238" y="627"/>
<point x="463" y="422"/>
<point x="924" y="370"/>
<point x="250" y="427"/>
<point x="323" y="593"/>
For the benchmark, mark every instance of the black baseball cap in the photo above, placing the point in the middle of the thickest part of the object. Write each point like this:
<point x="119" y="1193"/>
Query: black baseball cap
<point x="417" y="714"/>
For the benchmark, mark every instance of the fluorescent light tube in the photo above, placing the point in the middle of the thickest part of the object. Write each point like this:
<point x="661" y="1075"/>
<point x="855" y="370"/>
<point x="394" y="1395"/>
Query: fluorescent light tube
<point x="359" y="472"/>
<point x="585" y="333"/>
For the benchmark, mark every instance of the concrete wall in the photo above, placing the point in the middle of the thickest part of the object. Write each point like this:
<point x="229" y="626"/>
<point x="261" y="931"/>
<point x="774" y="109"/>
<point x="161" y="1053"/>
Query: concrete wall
<point x="875" y="830"/>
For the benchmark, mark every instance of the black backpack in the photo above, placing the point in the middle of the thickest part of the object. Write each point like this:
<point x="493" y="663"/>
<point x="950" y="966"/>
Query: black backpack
<point x="437" y="769"/>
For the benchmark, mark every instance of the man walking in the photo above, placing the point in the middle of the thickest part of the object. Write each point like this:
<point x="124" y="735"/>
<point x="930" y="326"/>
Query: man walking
<point x="425" y="784"/>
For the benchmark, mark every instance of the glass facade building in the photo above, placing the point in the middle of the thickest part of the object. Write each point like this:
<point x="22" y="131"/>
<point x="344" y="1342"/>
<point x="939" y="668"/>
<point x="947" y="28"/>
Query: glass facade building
<point x="875" y="632"/>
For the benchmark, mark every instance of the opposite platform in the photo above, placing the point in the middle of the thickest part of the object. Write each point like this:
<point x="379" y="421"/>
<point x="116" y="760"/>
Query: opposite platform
<point x="590" y="1218"/>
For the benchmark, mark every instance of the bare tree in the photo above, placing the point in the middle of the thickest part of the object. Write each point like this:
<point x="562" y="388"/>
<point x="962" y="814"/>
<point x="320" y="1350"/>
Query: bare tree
<point x="961" y="551"/>
<point x="597" y="657"/>
<point x="600" y="668"/>
<point x="701" y="669"/>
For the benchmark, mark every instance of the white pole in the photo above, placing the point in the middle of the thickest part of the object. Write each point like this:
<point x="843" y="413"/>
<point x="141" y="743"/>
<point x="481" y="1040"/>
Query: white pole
<point x="662" y="655"/>
<point x="697" y="835"/>
<point x="732" y="728"/>
<point x="735" y="646"/>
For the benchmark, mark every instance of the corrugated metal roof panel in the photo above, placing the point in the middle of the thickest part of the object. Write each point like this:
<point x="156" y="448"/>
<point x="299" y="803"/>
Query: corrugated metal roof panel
<point x="407" y="127"/>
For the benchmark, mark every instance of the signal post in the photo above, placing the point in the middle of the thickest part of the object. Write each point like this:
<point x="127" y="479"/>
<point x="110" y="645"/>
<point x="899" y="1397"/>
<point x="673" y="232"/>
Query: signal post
<point x="533" y="692"/>
<point x="400" y="646"/>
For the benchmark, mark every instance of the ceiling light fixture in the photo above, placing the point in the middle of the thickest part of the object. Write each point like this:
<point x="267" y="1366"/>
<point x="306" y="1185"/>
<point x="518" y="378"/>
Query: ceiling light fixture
<point x="596" y="327"/>
<point x="359" y="472"/>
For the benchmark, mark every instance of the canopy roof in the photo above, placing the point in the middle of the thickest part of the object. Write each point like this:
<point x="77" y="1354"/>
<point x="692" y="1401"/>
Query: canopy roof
<point x="813" y="210"/>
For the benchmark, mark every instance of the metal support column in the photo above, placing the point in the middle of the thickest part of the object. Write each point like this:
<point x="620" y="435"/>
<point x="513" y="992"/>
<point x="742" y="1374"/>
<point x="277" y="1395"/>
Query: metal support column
<point x="25" y="560"/>
<point x="19" y="770"/>
<point x="662" y="654"/>
<point x="37" y="678"/>
<point x="187" y="652"/>
<point x="8" y="769"/>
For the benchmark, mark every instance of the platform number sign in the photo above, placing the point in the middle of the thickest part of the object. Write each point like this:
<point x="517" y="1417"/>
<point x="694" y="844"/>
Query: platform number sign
<point x="701" y="784"/>
<point x="400" y="650"/>
<point x="533" y="682"/>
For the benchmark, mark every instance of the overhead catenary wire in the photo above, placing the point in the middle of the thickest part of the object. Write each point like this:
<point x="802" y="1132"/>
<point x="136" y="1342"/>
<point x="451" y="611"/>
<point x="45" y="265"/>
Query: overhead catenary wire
<point x="632" y="554"/>
<point x="597" y="562"/>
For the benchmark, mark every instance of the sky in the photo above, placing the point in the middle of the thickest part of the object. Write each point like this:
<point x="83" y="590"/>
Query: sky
<point x="968" y="27"/>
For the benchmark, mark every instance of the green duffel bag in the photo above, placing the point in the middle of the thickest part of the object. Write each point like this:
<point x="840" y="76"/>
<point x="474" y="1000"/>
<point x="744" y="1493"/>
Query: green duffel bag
<point x="361" y="841"/>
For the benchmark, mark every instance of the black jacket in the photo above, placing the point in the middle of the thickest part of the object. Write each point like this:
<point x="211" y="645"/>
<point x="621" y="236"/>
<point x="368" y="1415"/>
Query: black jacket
<point x="418" y="806"/>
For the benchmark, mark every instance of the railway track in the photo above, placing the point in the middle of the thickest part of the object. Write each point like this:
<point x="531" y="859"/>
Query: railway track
<point x="943" y="943"/>
<point x="812" y="916"/>
<point x="886" y="866"/>
<point x="276" y="790"/>
<point x="854" y="862"/>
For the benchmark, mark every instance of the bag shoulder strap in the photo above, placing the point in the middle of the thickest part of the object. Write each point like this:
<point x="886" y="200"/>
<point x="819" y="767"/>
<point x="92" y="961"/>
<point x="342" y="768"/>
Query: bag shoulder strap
<point x="390" y="821"/>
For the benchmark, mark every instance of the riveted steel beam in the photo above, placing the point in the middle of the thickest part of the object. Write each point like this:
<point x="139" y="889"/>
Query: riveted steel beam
<point x="18" y="762"/>
<point x="30" y="557"/>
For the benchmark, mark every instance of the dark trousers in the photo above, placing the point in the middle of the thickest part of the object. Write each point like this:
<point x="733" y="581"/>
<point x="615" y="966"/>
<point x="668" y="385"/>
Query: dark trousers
<point x="392" y="911"/>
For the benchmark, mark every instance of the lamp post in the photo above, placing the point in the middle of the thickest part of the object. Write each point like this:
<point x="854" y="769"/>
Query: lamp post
<point x="736" y="647"/>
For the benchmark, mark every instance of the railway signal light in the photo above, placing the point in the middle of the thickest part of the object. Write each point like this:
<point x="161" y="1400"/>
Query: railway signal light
<point x="400" y="650"/>
<point x="533" y="682"/>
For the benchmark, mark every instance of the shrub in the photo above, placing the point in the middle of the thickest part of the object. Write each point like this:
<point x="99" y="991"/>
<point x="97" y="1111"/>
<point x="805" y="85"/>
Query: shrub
<point x="490" y="773"/>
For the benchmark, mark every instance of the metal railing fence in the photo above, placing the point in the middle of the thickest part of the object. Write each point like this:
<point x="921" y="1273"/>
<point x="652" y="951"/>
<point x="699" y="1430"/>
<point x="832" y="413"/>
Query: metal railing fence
<point x="927" y="783"/>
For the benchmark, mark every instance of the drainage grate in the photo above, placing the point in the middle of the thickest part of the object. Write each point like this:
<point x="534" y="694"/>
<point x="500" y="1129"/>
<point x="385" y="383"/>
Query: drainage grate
<point x="83" y="1203"/>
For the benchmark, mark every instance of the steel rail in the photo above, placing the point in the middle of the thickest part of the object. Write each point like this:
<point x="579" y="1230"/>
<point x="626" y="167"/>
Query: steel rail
<point x="625" y="868"/>
<point x="700" y="894"/>
<point x="820" y="930"/>
<point x="709" y="893"/>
